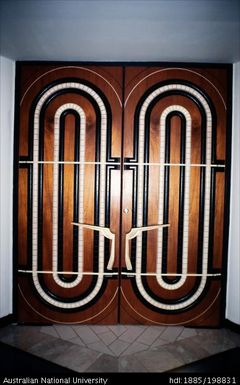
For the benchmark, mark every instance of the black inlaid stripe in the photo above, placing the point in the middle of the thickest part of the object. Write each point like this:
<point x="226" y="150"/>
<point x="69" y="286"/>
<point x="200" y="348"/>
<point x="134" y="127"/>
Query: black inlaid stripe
<point x="168" y="130"/>
<point x="68" y="278"/>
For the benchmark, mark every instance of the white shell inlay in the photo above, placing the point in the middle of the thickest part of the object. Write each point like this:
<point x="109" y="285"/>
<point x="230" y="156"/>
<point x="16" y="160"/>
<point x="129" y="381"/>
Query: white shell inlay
<point x="175" y="286"/>
<point x="96" y="97"/>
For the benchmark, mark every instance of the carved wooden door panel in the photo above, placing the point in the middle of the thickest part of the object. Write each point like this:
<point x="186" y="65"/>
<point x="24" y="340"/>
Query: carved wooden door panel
<point x="175" y="132"/>
<point x="69" y="193"/>
<point x="122" y="221"/>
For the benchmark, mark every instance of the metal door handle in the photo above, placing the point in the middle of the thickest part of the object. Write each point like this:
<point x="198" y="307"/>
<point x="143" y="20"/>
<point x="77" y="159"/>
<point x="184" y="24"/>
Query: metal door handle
<point x="108" y="234"/>
<point x="134" y="232"/>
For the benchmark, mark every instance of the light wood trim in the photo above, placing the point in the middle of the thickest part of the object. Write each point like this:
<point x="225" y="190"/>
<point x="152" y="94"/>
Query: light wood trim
<point x="134" y="232"/>
<point x="108" y="234"/>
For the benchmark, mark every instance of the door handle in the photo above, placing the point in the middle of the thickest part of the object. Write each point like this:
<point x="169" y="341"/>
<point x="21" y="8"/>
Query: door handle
<point x="108" y="234"/>
<point x="134" y="232"/>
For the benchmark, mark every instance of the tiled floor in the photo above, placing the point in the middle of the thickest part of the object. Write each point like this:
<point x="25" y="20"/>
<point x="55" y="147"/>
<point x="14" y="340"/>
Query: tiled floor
<point x="119" y="348"/>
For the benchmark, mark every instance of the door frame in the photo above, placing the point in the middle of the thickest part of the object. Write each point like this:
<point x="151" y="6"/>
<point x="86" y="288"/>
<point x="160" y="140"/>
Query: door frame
<point x="124" y="64"/>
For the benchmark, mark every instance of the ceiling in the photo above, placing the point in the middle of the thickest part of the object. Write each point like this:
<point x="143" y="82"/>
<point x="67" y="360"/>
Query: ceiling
<point x="120" y="30"/>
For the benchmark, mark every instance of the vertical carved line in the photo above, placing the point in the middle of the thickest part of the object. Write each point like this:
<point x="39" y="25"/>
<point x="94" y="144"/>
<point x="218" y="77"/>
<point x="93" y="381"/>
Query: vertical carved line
<point x="60" y="210"/>
<point x="162" y="192"/>
<point x="58" y="190"/>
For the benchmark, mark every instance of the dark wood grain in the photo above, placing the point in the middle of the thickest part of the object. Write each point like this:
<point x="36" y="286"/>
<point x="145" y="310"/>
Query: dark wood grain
<point x="129" y="307"/>
<point x="213" y="83"/>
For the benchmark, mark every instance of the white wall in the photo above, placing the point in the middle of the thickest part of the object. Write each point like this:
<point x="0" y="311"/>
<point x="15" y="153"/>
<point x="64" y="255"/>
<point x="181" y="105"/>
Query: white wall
<point x="131" y="30"/>
<point x="7" y="80"/>
<point x="233" y="280"/>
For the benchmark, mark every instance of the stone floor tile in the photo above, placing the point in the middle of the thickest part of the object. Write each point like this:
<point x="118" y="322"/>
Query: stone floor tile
<point x="209" y="332"/>
<point x="118" y="329"/>
<point x="50" y="348"/>
<point x="86" y="334"/>
<point x="233" y="336"/>
<point x="134" y="348"/>
<point x="65" y="332"/>
<point x="108" y="337"/>
<point x="186" y="333"/>
<point x="158" y="342"/>
<point x="99" y="346"/>
<point x="158" y="361"/>
<point x="187" y="350"/>
<point x="117" y="347"/>
<point x="77" y="358"/>
<point x="7" y="330"/>
<point x="15" y="329"/>
<point x="26" y="328"/>
<point x="49" y="330"/>
<point x="150" y="334"/>
<point x="131" y="334"/>
<point x="25" y="339"/>
<point x="171" y="333"/>
<point x="129" y="364"/>
<point x="217" y="343"/>
<point x="153" y="348"/>
<point x="77" y="341"/>
<point x="99" y="329"/>
<point x="104" y="364"/>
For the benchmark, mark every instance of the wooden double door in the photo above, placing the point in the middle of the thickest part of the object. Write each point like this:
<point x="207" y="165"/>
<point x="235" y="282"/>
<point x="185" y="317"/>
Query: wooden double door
<point x="122" y="185"/>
